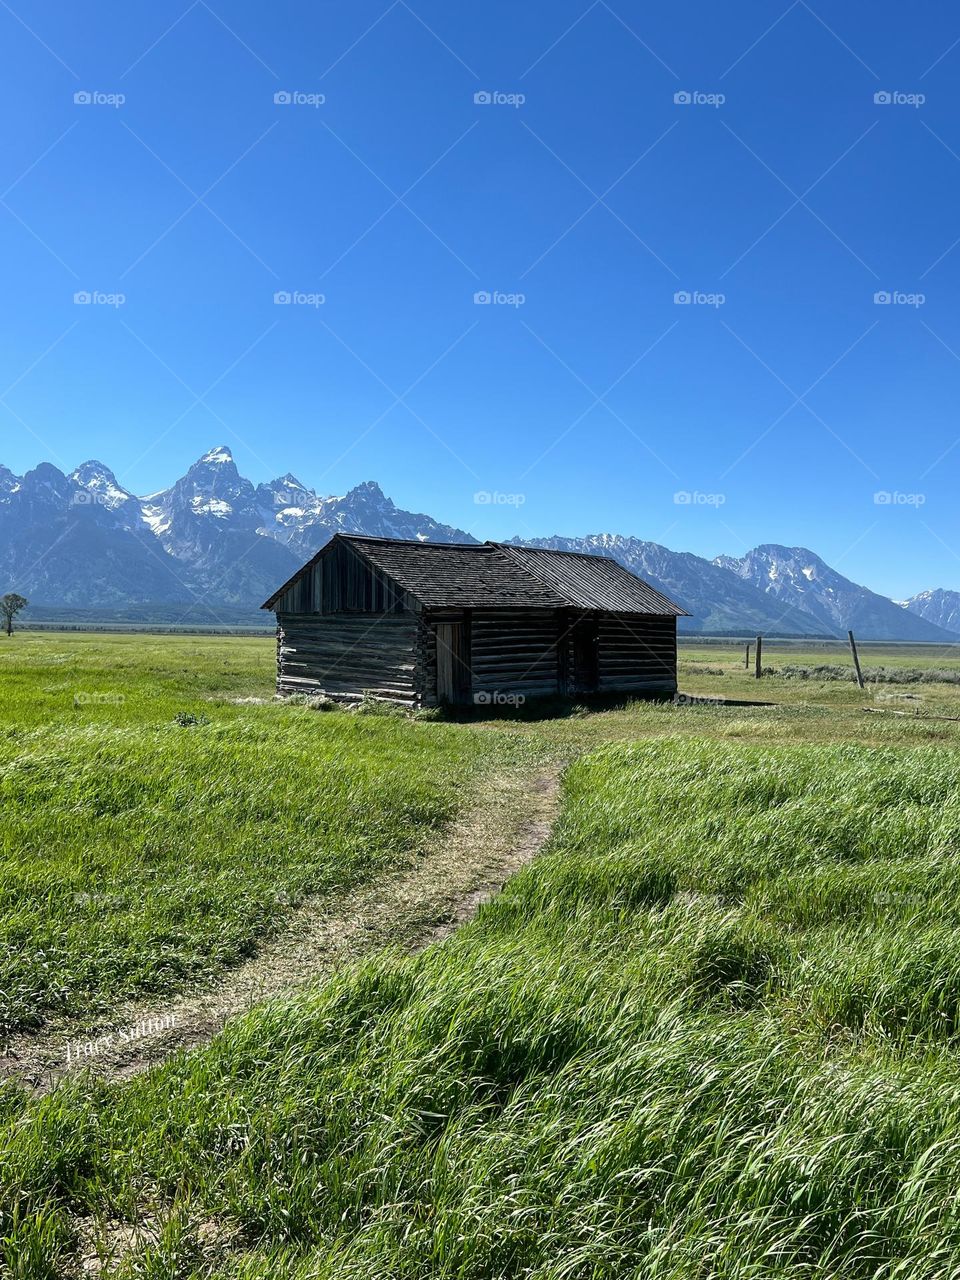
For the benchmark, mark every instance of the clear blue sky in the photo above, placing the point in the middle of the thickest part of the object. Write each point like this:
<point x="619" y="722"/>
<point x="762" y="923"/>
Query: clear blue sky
<point x="597" y="198"/>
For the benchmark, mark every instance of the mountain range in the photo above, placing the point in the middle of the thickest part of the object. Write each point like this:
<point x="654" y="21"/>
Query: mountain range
<point x="215" y="541"/>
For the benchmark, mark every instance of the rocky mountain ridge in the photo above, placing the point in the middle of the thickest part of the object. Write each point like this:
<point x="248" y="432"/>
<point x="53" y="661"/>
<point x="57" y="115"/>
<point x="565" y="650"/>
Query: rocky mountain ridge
<point x="215" y="539"/>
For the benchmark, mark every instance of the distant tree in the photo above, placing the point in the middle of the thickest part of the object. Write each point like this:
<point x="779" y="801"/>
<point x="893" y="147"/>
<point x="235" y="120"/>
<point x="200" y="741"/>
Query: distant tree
<point x="10" y="606"/>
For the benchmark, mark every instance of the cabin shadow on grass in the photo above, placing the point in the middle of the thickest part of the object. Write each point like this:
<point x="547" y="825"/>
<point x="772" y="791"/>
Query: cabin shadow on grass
<point x="566" y="707"/>
<point x="545" y="707"/>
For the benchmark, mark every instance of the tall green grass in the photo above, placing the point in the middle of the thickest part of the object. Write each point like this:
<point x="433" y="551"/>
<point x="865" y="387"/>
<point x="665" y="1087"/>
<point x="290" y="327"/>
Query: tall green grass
<point x="153" y="829"/>
<point x="711" y="1032"/>
<point x="133" y="860"/>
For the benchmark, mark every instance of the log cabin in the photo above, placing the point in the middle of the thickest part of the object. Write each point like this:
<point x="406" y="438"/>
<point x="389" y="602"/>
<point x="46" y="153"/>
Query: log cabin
<point x="428" y="623"/>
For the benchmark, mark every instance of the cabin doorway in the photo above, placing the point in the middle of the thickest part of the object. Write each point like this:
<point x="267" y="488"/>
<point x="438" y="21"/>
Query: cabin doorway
<point x="454" y="682"/>
<point x="586" y="649"/>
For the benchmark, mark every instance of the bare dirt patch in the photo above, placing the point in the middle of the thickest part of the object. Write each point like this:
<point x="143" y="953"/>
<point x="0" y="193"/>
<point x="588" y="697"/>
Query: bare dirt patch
<point x="444" y="887"/>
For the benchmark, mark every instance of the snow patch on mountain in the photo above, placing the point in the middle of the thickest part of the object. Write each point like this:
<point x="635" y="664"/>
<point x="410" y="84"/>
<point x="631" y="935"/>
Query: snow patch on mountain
<point x="153" y="517"/>
<point x="211" y="506"/>
<point x="9" y="483"/>
<point x="939" y="606"/>
<point x="800" y="580"/>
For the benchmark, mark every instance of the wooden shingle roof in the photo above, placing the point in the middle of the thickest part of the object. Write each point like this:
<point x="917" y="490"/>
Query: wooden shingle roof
<point x="591" y="582"/>
<point x="493" y="575"/>
<point x="457" y="575"/>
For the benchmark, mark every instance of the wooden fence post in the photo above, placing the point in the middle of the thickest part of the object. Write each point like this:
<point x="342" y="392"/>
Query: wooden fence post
<point x="746" y="658"/>
<point x="759" y="670"/>
<point x="856" y="658"/>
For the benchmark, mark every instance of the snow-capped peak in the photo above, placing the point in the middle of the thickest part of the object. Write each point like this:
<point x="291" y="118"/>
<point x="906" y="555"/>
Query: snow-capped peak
<point x="99" y="480"/>
<point x="286" y="491"/>
<point x="218" y="455"/>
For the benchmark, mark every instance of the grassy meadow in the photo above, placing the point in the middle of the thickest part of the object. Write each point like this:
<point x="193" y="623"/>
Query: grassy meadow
<point x="712" y="1031"/>
<point x="901" y="677"/>
<point x="719" y="698"/>
<point x="157" y="823"/>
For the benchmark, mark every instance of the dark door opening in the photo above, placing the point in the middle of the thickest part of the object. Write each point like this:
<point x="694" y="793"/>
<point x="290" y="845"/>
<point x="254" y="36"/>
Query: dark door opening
<point x="454" y="681"/>
<point x="586" y="651"/>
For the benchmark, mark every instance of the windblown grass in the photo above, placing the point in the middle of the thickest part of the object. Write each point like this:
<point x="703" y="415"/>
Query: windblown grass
<point x="712" y="1032"/>
<point x="154" y="829"/>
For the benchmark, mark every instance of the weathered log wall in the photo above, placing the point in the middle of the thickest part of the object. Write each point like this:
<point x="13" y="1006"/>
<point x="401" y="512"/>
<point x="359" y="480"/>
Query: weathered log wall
<point x="426" y="660"/>
<point x="528" y="653"/>
<point x="638" y="653"/>
<point x="347" y="655"/>
<point x="514" y="653"/>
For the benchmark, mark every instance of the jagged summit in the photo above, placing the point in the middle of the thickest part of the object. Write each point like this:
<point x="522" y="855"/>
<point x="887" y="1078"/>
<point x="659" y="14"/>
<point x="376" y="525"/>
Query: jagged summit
<point x="289" y="481"/>
<point x="100" y="482"/>
<point x="92" y="469"/>
<point x="220" y="454"/>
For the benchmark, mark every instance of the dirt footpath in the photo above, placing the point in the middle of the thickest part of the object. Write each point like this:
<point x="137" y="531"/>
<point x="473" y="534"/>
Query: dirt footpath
<point x="418" y="905"/>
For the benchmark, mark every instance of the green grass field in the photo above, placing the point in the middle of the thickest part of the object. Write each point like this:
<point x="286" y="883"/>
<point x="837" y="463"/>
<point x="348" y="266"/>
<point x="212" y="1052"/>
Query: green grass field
<point x="719" y="698"/>
<point x="138" y="853"/>
<point x="908" y="677"/>
<point x="712" y="1031"/>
